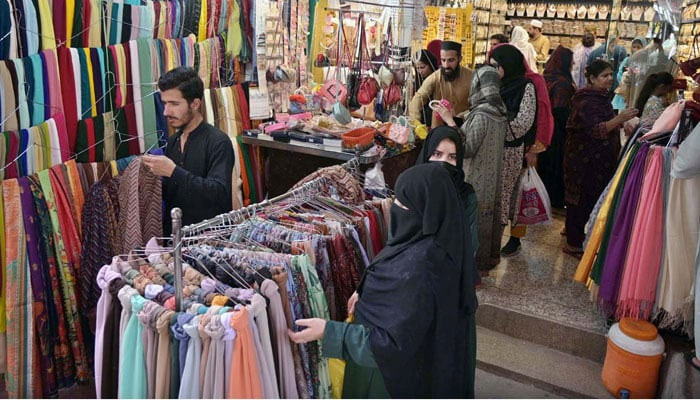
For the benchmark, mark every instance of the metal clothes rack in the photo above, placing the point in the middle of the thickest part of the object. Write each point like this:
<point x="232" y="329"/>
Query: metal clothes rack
<point x="179" y="231"/>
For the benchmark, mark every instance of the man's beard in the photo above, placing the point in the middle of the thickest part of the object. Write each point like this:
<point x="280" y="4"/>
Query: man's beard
<point x="532" y="35"/>
<point x="450" y="75"/>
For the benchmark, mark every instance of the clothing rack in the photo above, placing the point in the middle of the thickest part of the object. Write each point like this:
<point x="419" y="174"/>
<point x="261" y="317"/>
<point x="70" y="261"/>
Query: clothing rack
<point x="304" y="191"/>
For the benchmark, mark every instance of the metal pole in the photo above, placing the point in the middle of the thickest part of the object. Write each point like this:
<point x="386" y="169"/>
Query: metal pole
<point x="176" y="215"/>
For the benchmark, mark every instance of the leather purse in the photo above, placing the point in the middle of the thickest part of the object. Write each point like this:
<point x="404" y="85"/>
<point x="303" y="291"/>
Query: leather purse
<point x="392" y="94"/>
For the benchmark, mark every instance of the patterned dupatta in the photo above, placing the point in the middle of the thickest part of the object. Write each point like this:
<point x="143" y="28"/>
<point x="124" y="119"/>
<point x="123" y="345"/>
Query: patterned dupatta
<point x="41" y="320"/>
<point x="58" y="212"/>
<point x="20" y="374"/>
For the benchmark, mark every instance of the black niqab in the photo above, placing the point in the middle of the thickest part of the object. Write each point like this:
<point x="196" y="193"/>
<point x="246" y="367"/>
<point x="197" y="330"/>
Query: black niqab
<point x="414" y="297"/>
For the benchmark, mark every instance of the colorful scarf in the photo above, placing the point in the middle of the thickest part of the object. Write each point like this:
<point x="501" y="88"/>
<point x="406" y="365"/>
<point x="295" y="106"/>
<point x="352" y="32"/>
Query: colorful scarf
<point x="65" y="372"/>
<point x="620" y="235"/>
<point x="67" y="274"/>
<point x="20" y="375"/>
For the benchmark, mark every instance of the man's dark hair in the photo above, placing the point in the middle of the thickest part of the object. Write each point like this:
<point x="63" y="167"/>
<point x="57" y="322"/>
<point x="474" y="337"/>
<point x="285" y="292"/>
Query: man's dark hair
<point x="500" y="37"/>
<point x="186" y="80"/>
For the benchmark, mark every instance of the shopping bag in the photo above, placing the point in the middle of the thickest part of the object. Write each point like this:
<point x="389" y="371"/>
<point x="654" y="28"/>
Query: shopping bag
<point x="336" y="370"/>
<point x="533" y="205"/>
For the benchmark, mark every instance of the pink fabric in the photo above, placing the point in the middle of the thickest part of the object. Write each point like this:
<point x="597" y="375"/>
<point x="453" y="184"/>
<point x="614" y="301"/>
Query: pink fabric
<point x="667" y="121"/>
<point x="640" y="277"/>
<point x="60" y="121"/>
<point x="545" y="120"/>
<point x="56" y="100"/>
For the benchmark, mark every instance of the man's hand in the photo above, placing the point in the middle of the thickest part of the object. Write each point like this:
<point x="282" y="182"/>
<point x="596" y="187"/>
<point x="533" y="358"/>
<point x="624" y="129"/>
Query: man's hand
<point x="315" y="328"/>
<point x="159" y="165"/>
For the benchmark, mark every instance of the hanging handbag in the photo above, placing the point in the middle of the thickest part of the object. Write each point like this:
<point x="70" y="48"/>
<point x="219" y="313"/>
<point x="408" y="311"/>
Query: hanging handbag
<point x="355" y="78"/>
<point x="340" y="113"/>
<point x="392" y="94"/>
<point x="369" y="87"/>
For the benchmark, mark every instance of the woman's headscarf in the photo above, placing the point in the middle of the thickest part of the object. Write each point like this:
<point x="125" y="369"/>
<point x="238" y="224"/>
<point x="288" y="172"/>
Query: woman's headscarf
<point x="513" y="82"/>
<point x="521" y="40"/>
<point x="641" y="40"/>
<point x="433" y="140"/>
<point x="557" y="74"/>
<point x="485" y="94"/>
<point x="517" y="75"/>
<point x="428" y="58"/>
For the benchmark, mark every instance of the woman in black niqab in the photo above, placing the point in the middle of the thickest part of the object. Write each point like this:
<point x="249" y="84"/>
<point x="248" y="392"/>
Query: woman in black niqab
<point x="412" y="333"/>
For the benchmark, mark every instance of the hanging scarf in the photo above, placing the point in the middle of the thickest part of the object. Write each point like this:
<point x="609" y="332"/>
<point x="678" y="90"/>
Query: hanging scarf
<point x="619" y="237"/>
<point x="19" y="376"/>
<point x="557" y="74"/>
<point x="65" y="370"/>
<point x="44" y="350"/>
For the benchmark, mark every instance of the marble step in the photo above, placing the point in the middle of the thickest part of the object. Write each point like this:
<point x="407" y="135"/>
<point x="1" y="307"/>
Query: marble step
<point x="555" y="335"/>
<point x="555" y="372"/>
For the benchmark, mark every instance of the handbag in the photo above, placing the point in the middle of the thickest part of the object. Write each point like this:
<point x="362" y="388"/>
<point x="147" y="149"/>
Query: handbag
<point x="392" y="94"/>
<point x="399" y="131"/>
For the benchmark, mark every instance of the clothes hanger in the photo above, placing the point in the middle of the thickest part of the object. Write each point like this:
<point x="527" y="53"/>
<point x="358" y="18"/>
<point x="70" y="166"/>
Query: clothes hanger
<point x="27" y="86"/>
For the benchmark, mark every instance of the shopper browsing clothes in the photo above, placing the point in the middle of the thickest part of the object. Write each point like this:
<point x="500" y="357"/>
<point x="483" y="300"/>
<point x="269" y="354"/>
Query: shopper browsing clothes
<point x="414" y="333"/>
<point x="484" y="135"/>
<point x="592" y="150"/>
<point x="450" y="83"/>
<point x="199" y="158"/>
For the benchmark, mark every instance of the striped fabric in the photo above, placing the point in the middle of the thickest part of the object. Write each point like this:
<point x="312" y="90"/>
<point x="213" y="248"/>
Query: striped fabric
<point x="141" y="215"/>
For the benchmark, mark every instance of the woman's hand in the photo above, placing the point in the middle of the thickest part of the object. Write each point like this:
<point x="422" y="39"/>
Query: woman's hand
<point x="315" y="328"/>
<point x="531" y="159"/>
<point x="446" y="115"/>
<point x="352" y="301"/>
<point x="628" y="114"/>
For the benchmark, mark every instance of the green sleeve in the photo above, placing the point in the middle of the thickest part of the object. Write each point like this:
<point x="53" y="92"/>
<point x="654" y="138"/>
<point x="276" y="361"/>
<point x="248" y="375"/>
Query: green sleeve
<point x="348" y="342"/>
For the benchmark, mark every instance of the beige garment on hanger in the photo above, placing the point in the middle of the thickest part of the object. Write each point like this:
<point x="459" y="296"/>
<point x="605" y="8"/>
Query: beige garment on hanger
<point x="541" y="10"/>
<point x="649" y="14"/>
<point x="581" y="13"/>
<point x="592" y="12"/>
<point x="552" y="11"/>
<point x="626" y="13"/>
<point x="571" y="11"/>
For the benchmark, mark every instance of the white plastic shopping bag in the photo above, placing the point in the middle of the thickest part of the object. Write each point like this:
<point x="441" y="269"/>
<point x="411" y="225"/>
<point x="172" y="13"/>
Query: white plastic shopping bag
<point x="533" y="205"/>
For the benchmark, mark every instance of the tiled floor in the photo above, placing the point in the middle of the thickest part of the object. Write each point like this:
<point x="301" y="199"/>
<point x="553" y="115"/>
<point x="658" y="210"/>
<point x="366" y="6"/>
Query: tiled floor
<point x="539" y="281"/>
